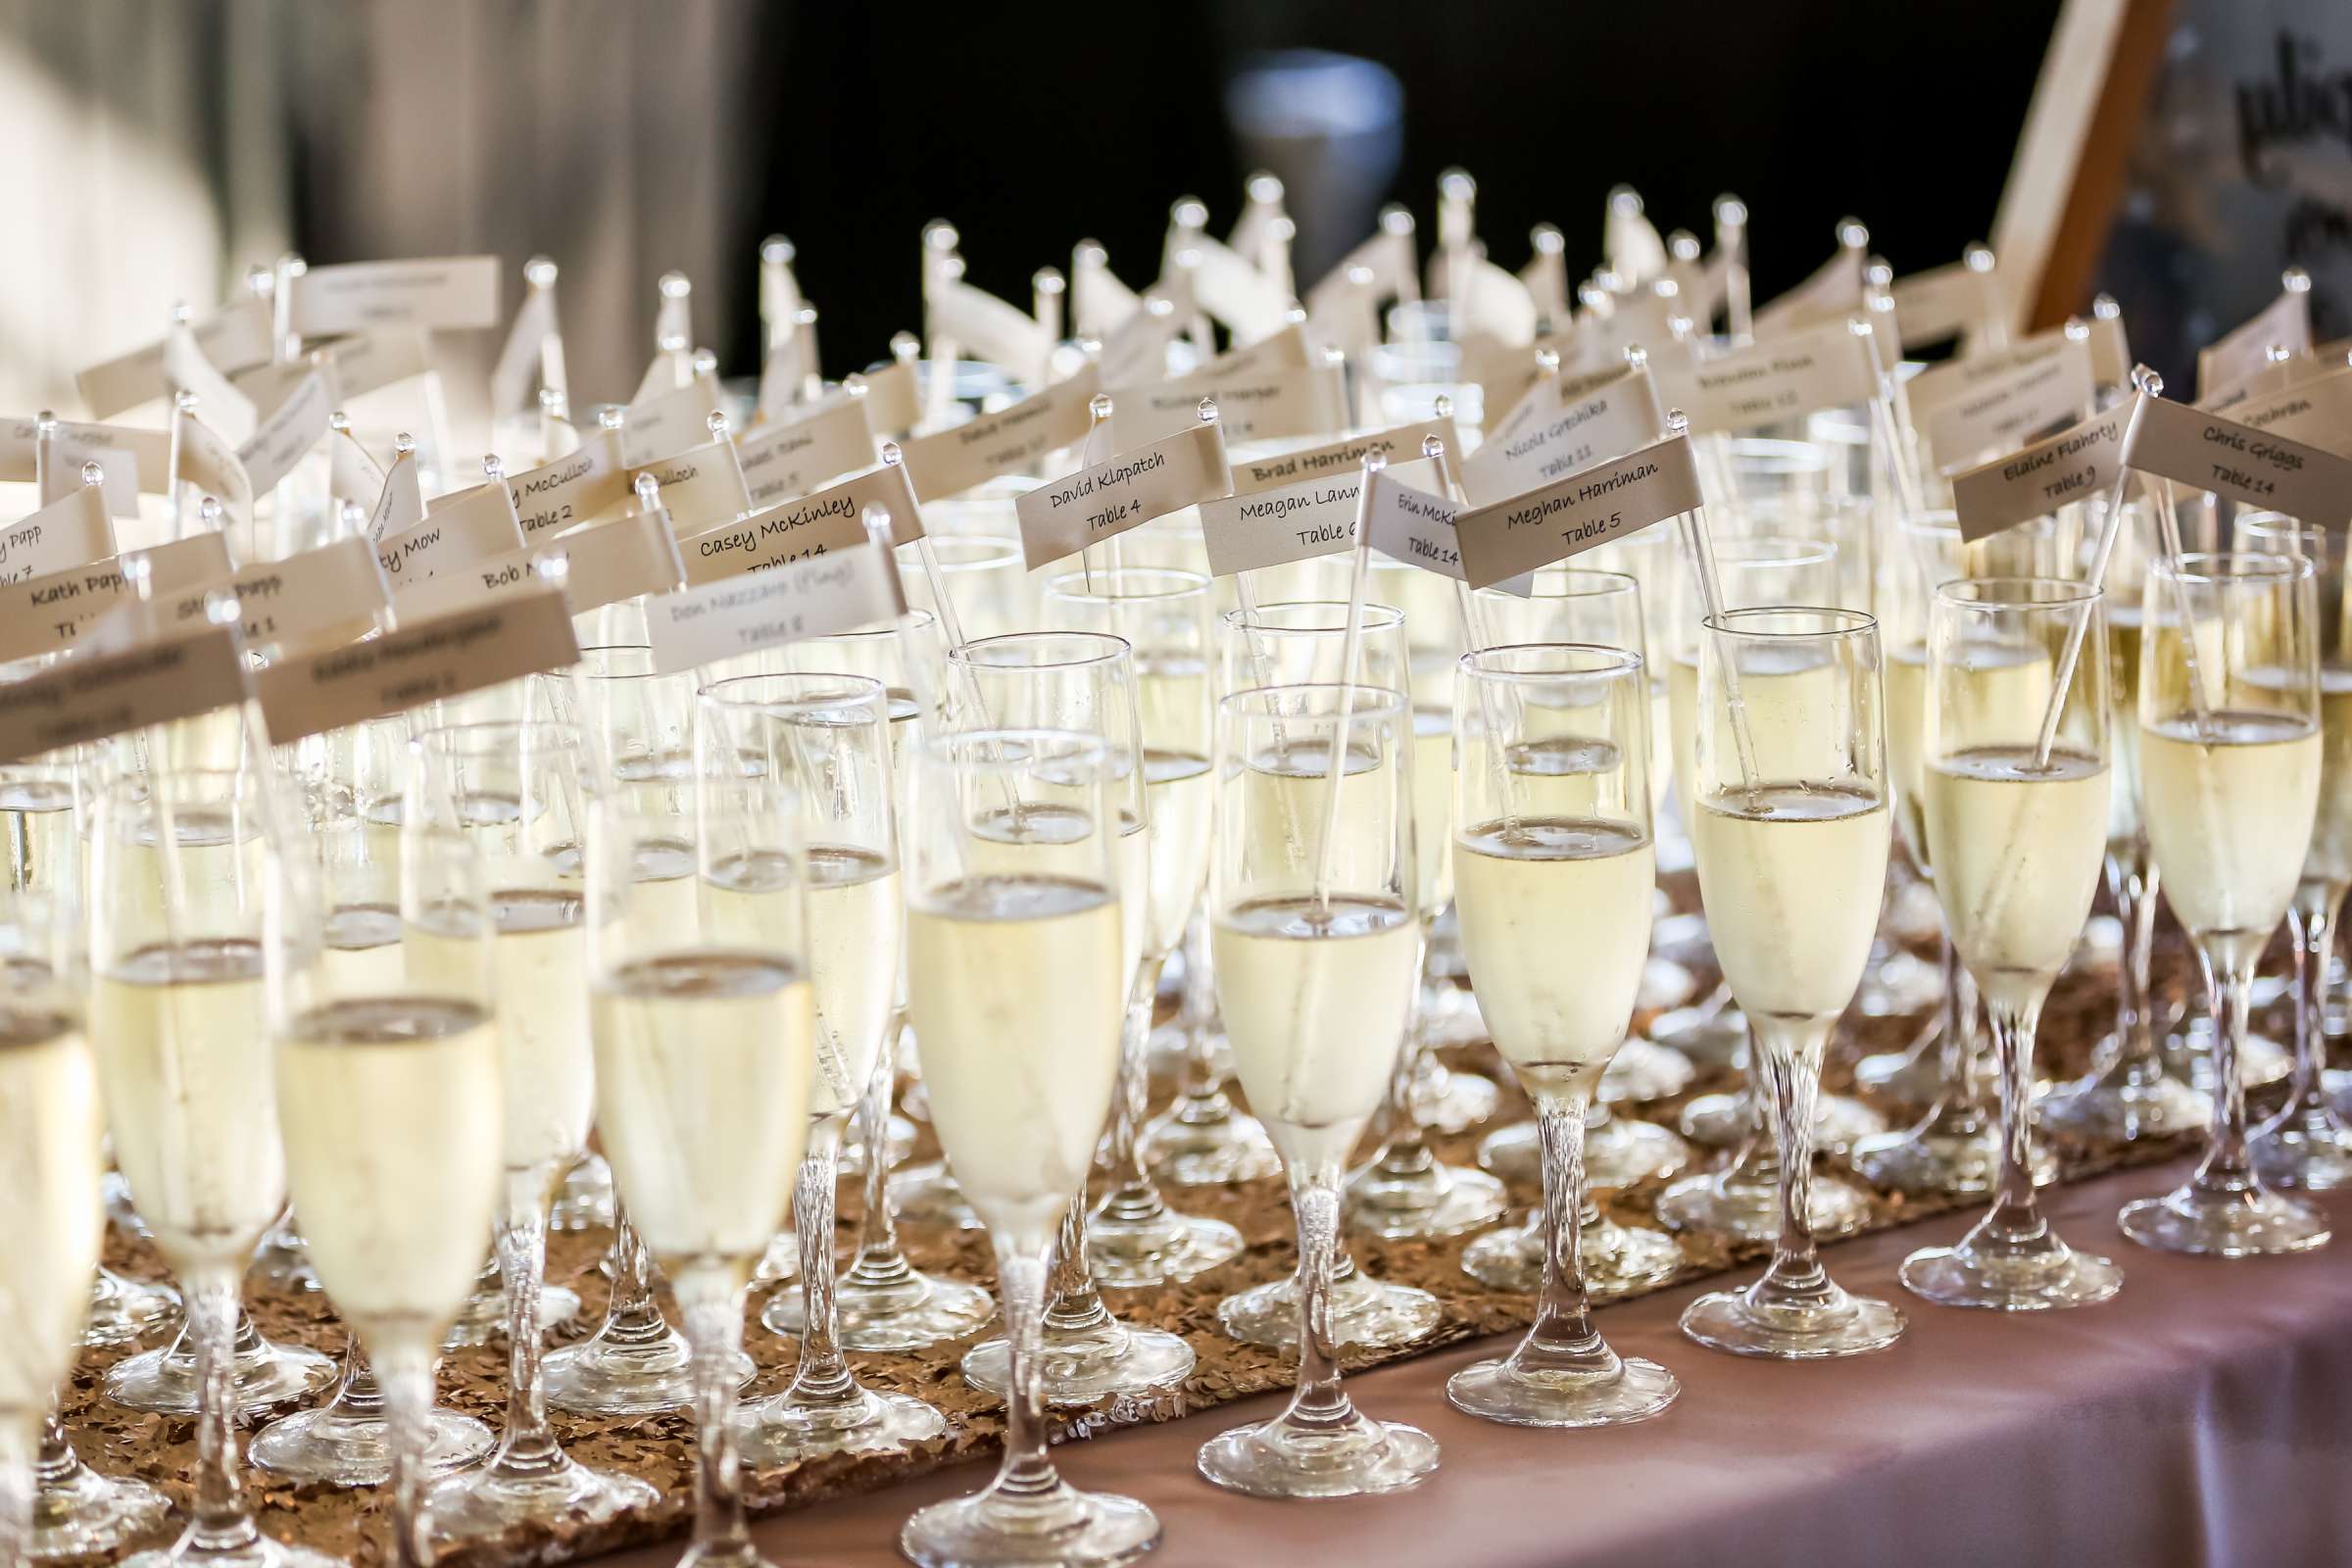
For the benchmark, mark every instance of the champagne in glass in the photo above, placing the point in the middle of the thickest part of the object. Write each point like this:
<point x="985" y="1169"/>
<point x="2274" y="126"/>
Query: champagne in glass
<point x="1555" y="903"/>
<point x="1020" y="987"/>
<point x="2231" y="761"/>
<point x="1317" y="959"/>
<point x="2016" y="832"/>
<point x="1790" y="830"/>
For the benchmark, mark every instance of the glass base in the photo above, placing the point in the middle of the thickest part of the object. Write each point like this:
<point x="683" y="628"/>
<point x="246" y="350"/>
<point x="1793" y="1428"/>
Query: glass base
<point x="1281" y="1458"/>
<point x="1083" y="1366"/>
<point x="927" y="1194"/>
<point x="2148" y="1102"/>
<point x="332" y="1450"/>
<point x="1364" y="1312"/>
<point x="1167" y="1246"/>
<point x="1618" y="1259"/>
<point x="2305" y="1149"/>
<point x="282" y="1262"/>
<point x="1902" y="986"/>
<point x="1439" y="1201"/>
<point x="1957" y="1155"/>
<point x="1448" y="1100"/>
<point x="482" y="1320"/>
<point x="780" y="1263"/>
<point x="898" y="1144"/>
<point x="482" y="1504"/>
<point x="264" y="1552"/>
<point x="911" y="1314"/>
<point x="1643" y="1069"/>
<point x="1844" y="1325"/>
<point x="1502" y="1390"/>
<point x="1203" y="1141"/>
<point x="268" y="1375"/>
<point x="1064" y="1529"/>
<point x="585" y="1200"/>
<point x="1723" y="1121"/>
<point x="775" y="1431"/>
<point x="124" y="1310"/>
<point x="1751" y="1213"/>
<point x="83" y="1513"/>
<point x="1618" y="1152"/>
<point x="2242" y="1224"/>
<point x="1987" y="1273"/>
<point x="1708" y="1036"/>
<point x="611" y="1377"/>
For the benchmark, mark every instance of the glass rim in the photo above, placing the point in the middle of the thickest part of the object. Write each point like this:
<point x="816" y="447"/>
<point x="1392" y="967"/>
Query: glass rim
<point x="916" y="614"/>
<point x="1008" y="547"/>
<point x="1069" y="585"/>
<point x="1773" y="550"/>
<point x="1109" y="649"/>
<point x="2070" y="591"/>
<point x="460" y="739"/>
<point x="948" y="748"/>
<point x="1601" y="580"/>
<point x="1602" y="661"/>
<point x="1374" y="613"/>
<point x="2240" y="566"/>
<point x="1252" y="704"/>
<point x="849" y="690"/>
<point x="647" y="673"/>
<point x="2283" y="526"/>
<point x="1843" y="622"/>
<point x="1771" y="453"/>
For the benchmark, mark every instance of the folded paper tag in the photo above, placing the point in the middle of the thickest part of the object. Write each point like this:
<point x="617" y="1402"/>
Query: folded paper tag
<point x="2284" y="322"/>
<point x="1571" y="516"/>
<point x="1136" y="351"/>
<point x="1520" y="394"/>
<point x="1269" y="406"/>
<point x="369" y="362"/>
<point x="83" y="700"/>
<point x="671" y="421"/>
<point x="1124" y="491"/>
<point x="1412" y="525"/>
<point x="1833" y="293"/>
<point x="1492" y="302"/>
<point x="2270" y="471"/>
<point x="894" y="399"/>
<point x="133" y="460"/>
<point x="1595" y="424"/>
<point x="1003" y="334"/>
<point x="65" y="533"/>
<point x="1825" y="366"/>
<point x="829" y="519"/>
<point x="213" y="466"/>
<point x="236" y="337"/>
<point x="352" y="471"/>
<point x="1999" y="411"/>
<point x="818" y="596"/>
<point x="1244" y="300"/>
<point x="330" y="594"/>
<point x="1937" y="305"/>
<point x="795" y="456"/>
<point x="2072" y="466"/>
<point x="568" y="491"/>
<point x="439" y="293"/>
<point x="469" y="527"/>
<point x="225" y="406"/>
<point x="517" y="372"/>
<point x="1295" y="520"/>
<point x="783" y="375"/>
<point x="445" y="657"/>
<point x="401" y="506"/>
<point x="46" y="614"/>
<point x="604" y="563"/>
<point x="289" y="430"/>
<point x="700" y="486"/>
<point x="1399" y="444"/>
<point x="1013" y="440"/>
<point x="2110" y="351"/>
<point x="2316" y="412"/>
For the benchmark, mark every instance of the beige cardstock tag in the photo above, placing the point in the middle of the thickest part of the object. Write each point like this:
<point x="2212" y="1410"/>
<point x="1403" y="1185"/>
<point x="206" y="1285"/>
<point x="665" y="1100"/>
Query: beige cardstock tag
<point x="83" y="700"/>
<point x="2036" y="480"/>
<point x="830" y="519"/>
<point x="570" y="490"/>
<point x="431" y="659"/>
<point x="838" y="591"/>
<point x="2261" y="470"/>
<point x="469" y="527"/>
<point x="431" y="293"/>
<point x="1124" y="491"/>
<point x="1575" y="514"/>
<point x="304" y="599"/>
<point x="1825" y="366"/>
<point x="1010" y="441"/>
<point x="1588" y="426"/>
<point x="65" y="533"/>
<point x="46" y="614"/>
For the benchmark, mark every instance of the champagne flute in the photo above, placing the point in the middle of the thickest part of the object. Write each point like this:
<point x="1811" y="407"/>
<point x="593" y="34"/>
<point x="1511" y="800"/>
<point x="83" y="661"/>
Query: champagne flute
<point x="1317" y="959"/>
<point x="704" y="1020"/>
<point x="1020" y="980"/>
<point x="51" y="1133"/>
<point x="640" y="727"/>
<point x="1553" y="877"/>
<point x="516" y="787"/>
<point x="2306" y="1145"/>
<point x="397" y="1204"/>
<point x="1790" y="830"/>
<point x="1133" y="1237"/>
<point x="829" y="735"/>
<point x="351" y="889"/>
<point x="1083" y="681"/>
<point x="2231" y="759"/>
<point x="179" y="872"/>
<point x="2016" y="832"/>
<point x="1302" y="642"/>
<point x="884" y="1303"/>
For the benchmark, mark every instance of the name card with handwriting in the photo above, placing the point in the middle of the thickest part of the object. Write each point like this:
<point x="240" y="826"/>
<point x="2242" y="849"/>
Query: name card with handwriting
<point x="288" y="432"/>
<point x="700" y="485"/>
<point x="2317" y="411"/>
<point x="133" y="460"/>
<point x="815" y="597"/>
<point x="1399" y="444"/>
<point x="793" y="457"/>
<point x="1571" y="516"/>
<point x="401" y="506"/>
<point x="2036" y="480"/>
<point x="1271" y="525"/>
<point x="1937" y="305"/>
<point x="605" y="563"/>
<point x="829" y="519"/>
<point x="236" y="337"/>
<point x="1012" y="440"/>
<point x="671" y="421"/>
<point x="2284" y="322"/>
<point x="1825" y="366"/>
<point x="433" y="293"/>
<point x="330" y="594"/>
<point x="65" y="533"/>
<point x="445" y="657"/>
<point x="2270" y="471"/>
<point x="1998" y="411"/>
<point x="43" y="615"/>
<point x="1123" y="492"/>
<point x="568" y="491"/>
<point x="469" y="527"/>
<point x="1593" y="425"/>
<point x="85" y="700"/>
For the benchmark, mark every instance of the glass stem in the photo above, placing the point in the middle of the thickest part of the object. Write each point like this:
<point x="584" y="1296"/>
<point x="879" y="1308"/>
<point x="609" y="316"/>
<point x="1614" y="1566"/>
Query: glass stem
<point x="2226" y="1170"/>
<point x="2311" y="919"/>
<point x="1318" y="1403"/>
<point x="408" y="1399"/>
<point x="359" y="1394"/>
<point x="219" y="1522"/>
<point x="1133" y="1198"/>
<point x="880" y="1261"/>
<point x="1028" y="1472"/>
<point x="823" y="1377"/>
<point x="2016" y="1213"/>
<point x="1563" y="1338"/>
<point x="632" y="1318"/>
<point x="1404" y="1152"/>
<point x="1786" y="1060"/>
<point x="1076" y="1304"/>
<point x="58" y="1461"/>
<point x="713" y="1312"/>
<point x="1204" y="1101"/>
<point x="2132" y="880"/>
<point x="528" y="1445"/>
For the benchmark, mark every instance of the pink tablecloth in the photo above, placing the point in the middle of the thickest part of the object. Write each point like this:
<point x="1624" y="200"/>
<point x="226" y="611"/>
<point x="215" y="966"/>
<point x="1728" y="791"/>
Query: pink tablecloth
<point x="2202" y="1417"/>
